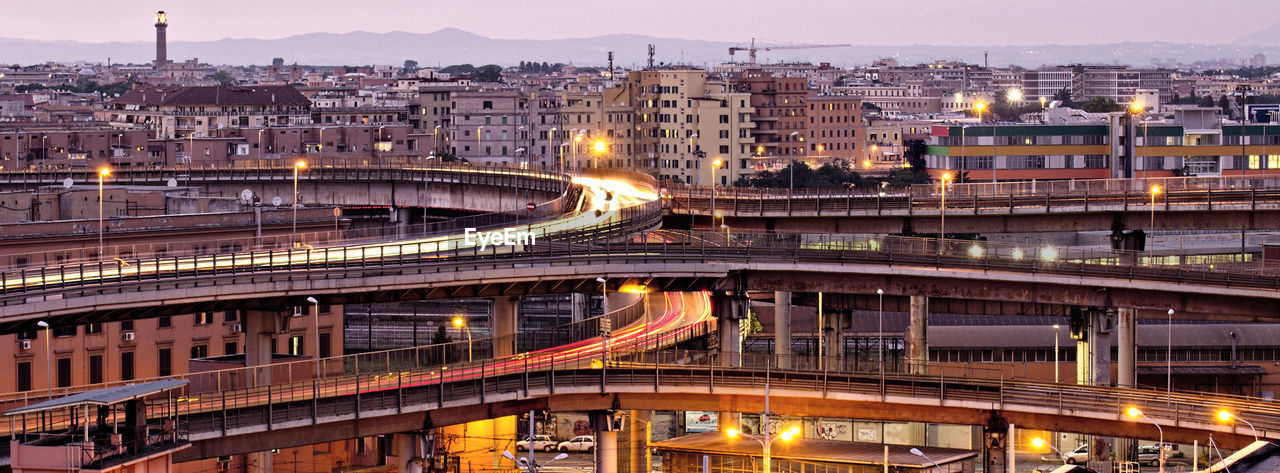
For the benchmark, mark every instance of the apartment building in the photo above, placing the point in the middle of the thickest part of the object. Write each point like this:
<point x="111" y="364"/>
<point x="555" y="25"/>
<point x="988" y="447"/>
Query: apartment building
<point x="25" y="145"/>
<point x="724" y="128"/>
<point x="491" y="127"/>
<point x="781" y="123"/>
<point x="1187" y="145"/>
<point x="1045" y="83"/>
<point x="835" y="129"/>
<point x="180" y="112"/>
<point x="1118" y="83"/>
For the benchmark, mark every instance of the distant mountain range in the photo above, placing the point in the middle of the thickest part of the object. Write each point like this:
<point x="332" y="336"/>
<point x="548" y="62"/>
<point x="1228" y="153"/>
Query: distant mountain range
<point x="454" y="46"/>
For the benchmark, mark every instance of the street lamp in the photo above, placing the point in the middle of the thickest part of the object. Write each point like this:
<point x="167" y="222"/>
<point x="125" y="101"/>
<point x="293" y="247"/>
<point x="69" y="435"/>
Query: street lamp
<point x="880" y="333"/>
<point x="481" y="127"/>
<point x="1226" y="416"/>
<point x="48" y="356"/>
<point x="297" y="166"/>
<point x="577" y="140"/>
<point x="551" y="137"/>
<point x="600" y="148"/>
<point x="725" y="226"/>
<point x="942" y="227"/>
<point x="766" y="440"/>
<point x="604" y="321"/>
<point x="792" y="166"/>
<point x="103" y="172"/>
<point x="1055" y="354"/>
<point x="1151" y="247"/>
<point x="918" y="453"/>
<point x="315" y="318"/>
<point x="531" y="465"/>
<point x="461" y="323"/>
<point x="1168" y="361"/>
<point x="1135" y="413"/>
<point x="1040" y="443"/>
<point x="714" y="164"/>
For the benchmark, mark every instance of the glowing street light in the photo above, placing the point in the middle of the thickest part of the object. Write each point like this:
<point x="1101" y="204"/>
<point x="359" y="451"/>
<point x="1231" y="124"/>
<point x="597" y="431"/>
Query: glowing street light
<point x="1155" y="191"/>
<point x="1226" y="416"/>
<point x="103" y="173"/>
<point x="714" y="164"/>
<point x="766" y="440"/>
<point x="1040" y="443"/>
<point x="1014" y="95"/>
<point x="1135" y="413"/>
<point x="600" y="147"/>
<point x="978" y="106"/>
<point x="461" y="323"/>
<point x="942" y="228"/>
<point x="315" y="318"/>
<point x="297" y="166"/>
<point x="48" y="356"/>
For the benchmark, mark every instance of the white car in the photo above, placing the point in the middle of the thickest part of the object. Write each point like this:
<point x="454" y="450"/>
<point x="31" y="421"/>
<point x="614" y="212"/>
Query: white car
<point x="540" y="442"/>
<point x="1079" y="456"/>
<point x="581" y="443"/>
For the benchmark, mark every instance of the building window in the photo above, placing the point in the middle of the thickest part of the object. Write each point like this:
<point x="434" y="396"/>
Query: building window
<point x="203" y="318"/>
<point x="230" y="348"/>
<point x="325" y="341"/>
<point x="95" y="369"/>
<point x="64" y="331"/>
<point x="1095" y="161"/>
<point x="295" y="345"/>
<point x="199" y="351"/>
<point x="126" y="366"/>
<point x="93" y="328"/>
<point x="24" y="376"/>
<point x="1202" y="164"/>
<point x="165" y="361"/>
<point x="232" y="315"/>
<point x="64" y="372"/>
<point x="165" y="322"/>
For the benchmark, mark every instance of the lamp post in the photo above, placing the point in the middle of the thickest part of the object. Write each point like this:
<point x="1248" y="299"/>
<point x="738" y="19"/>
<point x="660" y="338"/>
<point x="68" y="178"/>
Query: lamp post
<point x="1135" y="108"/>
<point x="481" y="127"/>
<point x="604" y="321"/>
<point x="461" y="323"/>
<point x="942" y="226"/>
<point x="1151" y="247"/>
<point x="725" y="226"/>
<point x="714" y="164"/>
<point x="103" y="172"/>
<point x="48" y="356"/>
<point x="1135" y="413"/>
<point x="259" y="143"/>
<point x="551" y="138"/>
<point x="766" y="440"/>
<point x="1226" y="416"/>
<point x="577" y="139"/>
<point x="1040" y="443"/>
<point x="1168" y="362"/>
<point x="320" y="144"/>
<point x="1055" y="354"/>
<point x="880" y="332"/>
<point x="918" y="453"/>
<point x="297" y="166"/>
<point x="531" y="465"/>
<point x="315" y="319"/>
<point x="599" y="148"/>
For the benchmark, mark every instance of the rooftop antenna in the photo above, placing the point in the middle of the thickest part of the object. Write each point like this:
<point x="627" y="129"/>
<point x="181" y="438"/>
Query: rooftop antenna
<point x="651" y="56"/>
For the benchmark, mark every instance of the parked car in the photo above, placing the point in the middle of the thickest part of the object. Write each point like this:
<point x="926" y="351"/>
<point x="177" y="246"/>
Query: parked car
<point x="1150" y="454"/>
<point x="1075" y="457"/>
<point x="581" y="443"/>
<point x="540" y="442"/>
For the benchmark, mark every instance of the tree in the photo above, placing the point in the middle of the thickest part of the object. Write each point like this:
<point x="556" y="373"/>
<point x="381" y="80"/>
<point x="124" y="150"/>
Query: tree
<point x="1063" y="95"/>
<point x="410" y="66"/>
<point x="1225" y="104"/>
<point x="224" y="78"/>
<point x="1101" y="105"/>
<point x="441" y="337"/>
<point x="488" y="73"/>
<point x="279" y="61"/>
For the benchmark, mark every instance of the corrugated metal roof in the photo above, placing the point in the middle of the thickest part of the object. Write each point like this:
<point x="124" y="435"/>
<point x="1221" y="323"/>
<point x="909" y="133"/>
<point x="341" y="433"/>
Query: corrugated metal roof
<point x="814" y="450"/>
<point x="1250" y="370"/>
<point x="102" y="397"/>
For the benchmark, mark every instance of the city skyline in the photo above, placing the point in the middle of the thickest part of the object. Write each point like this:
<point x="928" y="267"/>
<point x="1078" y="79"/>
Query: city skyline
<point x="963" y="23"/>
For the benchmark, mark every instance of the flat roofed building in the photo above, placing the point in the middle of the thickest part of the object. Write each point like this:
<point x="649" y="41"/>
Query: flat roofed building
<point x="179" y="112"/>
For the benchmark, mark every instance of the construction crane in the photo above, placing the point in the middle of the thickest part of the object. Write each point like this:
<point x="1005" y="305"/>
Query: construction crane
<point x="751" y="50"/>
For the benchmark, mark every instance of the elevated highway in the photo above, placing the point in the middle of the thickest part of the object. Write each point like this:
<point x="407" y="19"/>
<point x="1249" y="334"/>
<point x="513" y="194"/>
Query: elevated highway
<point x="1219" y="203"/>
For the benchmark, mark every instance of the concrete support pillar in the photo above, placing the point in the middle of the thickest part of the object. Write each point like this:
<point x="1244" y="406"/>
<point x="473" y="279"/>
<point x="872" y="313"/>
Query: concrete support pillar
<point x="606" y="451"/>
<point x="1093" y="357"/>
<point x="408" y="449"/>
<point x="918" y="336"/>
<point x="782" y="328"/>
<point x="503" y="321"/>
<point x="833" y="338"/>
<point x="259" y="328"/>
<point x="579" y="306"/>
<point x="1126" y="375"/>
<point x="401" y="217"/>
<point x="729" y="313"/>
<point x="504" y="439"/>
<point x="639" y="441"/>
<point x="995" y="444"/>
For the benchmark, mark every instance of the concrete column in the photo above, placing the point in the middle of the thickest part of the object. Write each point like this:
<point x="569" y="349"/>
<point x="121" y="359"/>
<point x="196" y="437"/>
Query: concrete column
<point x="408" y="448"/>
<point x="504" y="439"/>
<point x="918" y="336"/>
<point x="606" y="451"/>
<point x="259" y="328"/>
<point x="782" y="328"/>
<point x="579" y="306"/>
<point x="401" y="216"/>
<point x="729" y="311"/>
<point x="1127" y="374"/>
<point x="833" y="338"/>
<point x="503" y="315"/>
<point x="639" y="441"/>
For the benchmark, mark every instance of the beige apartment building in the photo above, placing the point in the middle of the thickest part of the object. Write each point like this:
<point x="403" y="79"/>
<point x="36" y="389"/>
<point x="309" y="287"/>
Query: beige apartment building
<point x="491" y="127"/>
<point x="180" y="112"/>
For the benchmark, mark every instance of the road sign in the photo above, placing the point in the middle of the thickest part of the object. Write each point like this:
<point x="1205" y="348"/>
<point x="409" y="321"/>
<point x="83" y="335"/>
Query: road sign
<point x="529" y="206"/>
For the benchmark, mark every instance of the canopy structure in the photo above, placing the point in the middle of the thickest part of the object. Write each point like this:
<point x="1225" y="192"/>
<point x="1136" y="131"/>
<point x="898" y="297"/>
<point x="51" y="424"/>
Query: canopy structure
<point x="102" y="397"/>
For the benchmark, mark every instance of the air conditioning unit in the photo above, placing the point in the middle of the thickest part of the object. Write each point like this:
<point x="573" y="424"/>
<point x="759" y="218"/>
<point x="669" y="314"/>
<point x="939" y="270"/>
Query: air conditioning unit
<point x="236" y="328"/>
<point x="127" y="336"/>
<point x="24" y="344"/>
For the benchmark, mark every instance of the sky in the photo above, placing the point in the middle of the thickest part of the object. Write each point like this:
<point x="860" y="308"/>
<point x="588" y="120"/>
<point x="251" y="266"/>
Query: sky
<point x="877" y="22"/>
